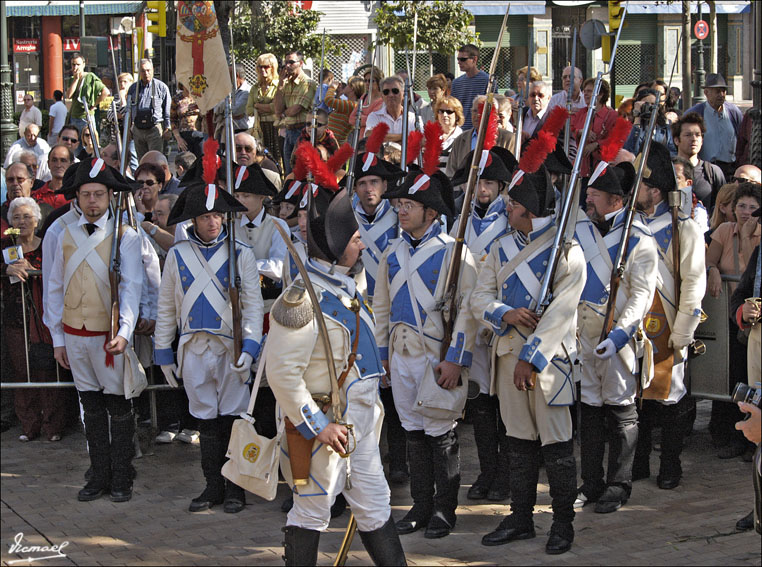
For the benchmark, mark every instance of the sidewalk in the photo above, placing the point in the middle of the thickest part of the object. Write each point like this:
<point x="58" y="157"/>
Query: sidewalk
<point x="691" y="525"/>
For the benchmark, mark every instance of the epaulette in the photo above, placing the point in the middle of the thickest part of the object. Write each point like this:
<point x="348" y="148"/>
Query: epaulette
<point x="293" y="309"/>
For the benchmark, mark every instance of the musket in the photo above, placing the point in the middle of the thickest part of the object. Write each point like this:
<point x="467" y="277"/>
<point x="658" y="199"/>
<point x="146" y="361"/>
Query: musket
<point x="411" y="76"/>
<point x="358" y="123"/>
<point x="573" y="77"/>
<point x="675" y="200"/>
<point x="572" y="189"/>
<point x="91" y="128"/>
<point x="313" y="124"/>
<point x="449" y="302"/>
<point x="618" y="266"/>
<point x="522" y="99"/>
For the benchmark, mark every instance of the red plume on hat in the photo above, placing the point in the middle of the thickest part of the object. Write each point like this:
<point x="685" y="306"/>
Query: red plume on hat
<point x="610" y="146"/>
<point x="210" y="164"/>
<point x="300" y="166"/>
<point x="433" y="149"/>
<point x="321" y="173"/>
<point x="338" y="159"/>
<point x="545" y="142"/>
<point x="490" y="138"/>
<point x="414" y="143"/>
<point x="376" y="138"/>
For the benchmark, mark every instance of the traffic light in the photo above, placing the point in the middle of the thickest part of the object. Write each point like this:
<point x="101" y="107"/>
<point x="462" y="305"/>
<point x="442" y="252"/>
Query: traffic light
<point x="606" y="48"/>
<point x="615" y="15"/>
<point x="157" y="12"/>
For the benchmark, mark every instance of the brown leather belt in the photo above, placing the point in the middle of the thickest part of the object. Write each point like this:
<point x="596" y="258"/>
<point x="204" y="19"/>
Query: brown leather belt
<point x="296" y="126"/>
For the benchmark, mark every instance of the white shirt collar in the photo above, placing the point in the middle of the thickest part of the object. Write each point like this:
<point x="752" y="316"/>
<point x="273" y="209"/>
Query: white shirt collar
<point x="257" y="220"/>
<point x="100" y="223"/>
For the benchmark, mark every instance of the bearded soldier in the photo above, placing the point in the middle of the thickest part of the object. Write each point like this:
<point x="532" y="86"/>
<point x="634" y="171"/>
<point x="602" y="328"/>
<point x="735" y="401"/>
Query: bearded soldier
<point x="487" y="223"/>
<point x="78" y="315"/>
<point x="299" y="376"/>
<point x="534" y="358"/>
<point x="671" y="321"/>
<point x="610" y="369"/>
<point x="411" y="278"/>
<point x="194" y="299"/>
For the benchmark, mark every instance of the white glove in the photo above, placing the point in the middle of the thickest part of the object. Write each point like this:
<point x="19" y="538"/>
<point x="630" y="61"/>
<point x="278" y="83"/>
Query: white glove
<point x="243" y="366"/>
<point x="679" y="341"/>
<point x="169" y="371"/>
<point x="605" y="350"/>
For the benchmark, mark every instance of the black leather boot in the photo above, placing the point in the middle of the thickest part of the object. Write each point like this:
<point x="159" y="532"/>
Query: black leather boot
<point x="623" y="438"/>
<point x="561" y="468"/>
<point x="675" y="423"/>
<point x="501" y="485"/>
<point x="235" y="496"/>
<point x="445" y="452"/>
<point x="593" y="435"/>
<point x="396" y="440"/>
<point x="419" y="457"/>
<point x="525" y="472"/>
<point x="209" y="441"/>
<point x="98" y="445"/>
<point x="484" y="420"/>
<point x="383" y="545"/>
<point x="122" y="447"/>
<point x="300" y="546"/>
<point x="648" y="415"/>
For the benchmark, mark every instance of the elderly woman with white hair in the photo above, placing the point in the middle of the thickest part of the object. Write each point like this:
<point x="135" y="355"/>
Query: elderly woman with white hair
<point x="40" y="410"/>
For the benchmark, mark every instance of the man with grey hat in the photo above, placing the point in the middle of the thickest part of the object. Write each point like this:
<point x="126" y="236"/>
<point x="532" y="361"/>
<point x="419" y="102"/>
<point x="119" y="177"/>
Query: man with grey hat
<point x="328" y="453"/>
<point x="722" y="120"/>
<point x="78" y="311"/>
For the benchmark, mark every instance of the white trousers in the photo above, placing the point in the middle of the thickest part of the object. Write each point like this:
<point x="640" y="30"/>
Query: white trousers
<point x="87" y="359"/>
<point x="212" y="388"/>
<point x="605" y="382"/>
<point x="480" y="367"/>
<point x="407" y="371"/>
<point x="369" y="495"/>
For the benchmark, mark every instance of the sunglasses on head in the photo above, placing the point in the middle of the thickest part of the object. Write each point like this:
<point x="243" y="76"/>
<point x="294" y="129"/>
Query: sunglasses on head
<point x="393" y="91"/>
<point x="447" y="111"/>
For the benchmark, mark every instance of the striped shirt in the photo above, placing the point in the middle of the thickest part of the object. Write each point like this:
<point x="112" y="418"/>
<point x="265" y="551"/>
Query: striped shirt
<point x="466" y="88"/>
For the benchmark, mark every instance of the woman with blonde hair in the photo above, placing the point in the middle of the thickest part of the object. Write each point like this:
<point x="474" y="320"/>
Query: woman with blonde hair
<point x="372" y="77"/>
<point x="449" y="112"/>
<point x="260" y="103"/>
<point x="723" y="208"/>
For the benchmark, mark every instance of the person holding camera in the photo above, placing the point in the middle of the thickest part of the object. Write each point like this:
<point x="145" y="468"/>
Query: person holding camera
<point x="645" y="103"/>
<point x="151" y="125"/>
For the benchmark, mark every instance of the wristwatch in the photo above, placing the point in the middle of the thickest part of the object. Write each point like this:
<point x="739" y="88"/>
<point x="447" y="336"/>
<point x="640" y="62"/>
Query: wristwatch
<point x="153" y="231"/>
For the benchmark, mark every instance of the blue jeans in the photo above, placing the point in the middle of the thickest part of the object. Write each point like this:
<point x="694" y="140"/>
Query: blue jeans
<point x="79" y="123"/>
<point x="289" y="145"/>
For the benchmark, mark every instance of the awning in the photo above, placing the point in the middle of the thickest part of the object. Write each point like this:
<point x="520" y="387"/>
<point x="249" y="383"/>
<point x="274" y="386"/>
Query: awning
<point x="526" y="8"/>
<point x="653" y="7"/>
<point x="70" y="8"/>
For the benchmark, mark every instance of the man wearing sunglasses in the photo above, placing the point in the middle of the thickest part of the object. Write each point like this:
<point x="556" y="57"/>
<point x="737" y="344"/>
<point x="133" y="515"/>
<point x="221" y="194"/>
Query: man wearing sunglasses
<point x="472" y="83"/>
<point x="293" y="101"/>
<point x="391" y="112"/>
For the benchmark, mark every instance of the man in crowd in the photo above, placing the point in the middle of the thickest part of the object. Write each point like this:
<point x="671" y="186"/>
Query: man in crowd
<point x="748" y="172"/>
<point x="241" y="122"/>
<point x="246" y="153"/>
<point x="183" y="162"/>
<point x="688" y="135"/>
<point x="537" y="108"/>
<point x="150" y="123"/>
<point x="293" y="101"/>
<point x="409" y="333"/>
<point x="69" y="137"/>
<point x="78" y="316"/>
<point x="29" y="141"/>
<point x="610" y="367"/>
<point x="83" y="85"/>
<point x="533" y="359"/>
<point x="57" y="118"/>
<point x="18" y="180"/>
<point x="200" y="309"/>
<point x="170" y="184"/>
<point x="723" y="120"/>
<point x="471" y="83"/>
<point x="30" y="114"/>
<point x="59" y="159"/>
<point x="299" y="376"/>
<point x="392" y="111"/>
<point x="671" y="322"/>
<point x="560" y="98"/>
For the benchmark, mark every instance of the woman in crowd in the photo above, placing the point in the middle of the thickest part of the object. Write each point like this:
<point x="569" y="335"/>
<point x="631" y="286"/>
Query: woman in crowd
<point x="184" y="118"/>
<point x="40" y="410"/>
<point x="603" y="121"/>
<point x="372" y="90"/>
<point x="437" y="87"/>
<point x="260" y="102"/>
<point x="723" y="209"/>
<point x="450" y="116"/>
<point x="338" y="120"/>
<point x="86" y="150"/>
<point x="728" y="254"/>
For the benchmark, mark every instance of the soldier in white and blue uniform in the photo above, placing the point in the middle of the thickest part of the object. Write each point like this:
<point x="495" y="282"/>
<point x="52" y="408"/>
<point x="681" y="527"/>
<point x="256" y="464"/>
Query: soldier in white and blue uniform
<point x="610" y="368"/>
<point x="377" y="222"/>
<point x="410" y="330"/>
<point x="194" y="299"/>
<point x="292" y="194"/>
<point x="301" y="381"/>
<point x="677" y="319"/>
<point x="487" y="223"/>
<point x="533" y="358"/>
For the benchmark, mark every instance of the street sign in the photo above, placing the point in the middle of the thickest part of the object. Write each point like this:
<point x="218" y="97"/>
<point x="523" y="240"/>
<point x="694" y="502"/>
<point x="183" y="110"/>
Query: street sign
<point x="701" y="29"/>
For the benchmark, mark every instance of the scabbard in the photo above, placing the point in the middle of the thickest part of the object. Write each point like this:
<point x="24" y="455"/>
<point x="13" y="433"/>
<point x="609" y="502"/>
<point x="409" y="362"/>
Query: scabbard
<point x="657" y="330"/>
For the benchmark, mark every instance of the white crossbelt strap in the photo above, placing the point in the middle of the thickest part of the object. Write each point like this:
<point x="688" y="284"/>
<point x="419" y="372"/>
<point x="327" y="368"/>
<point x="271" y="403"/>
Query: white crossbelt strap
<point x="85" y="252"/>
<point x="597" y="256"/>
<point x="518" y="263"/>
<point x="421" y="295"/>
<point x="209" y="286"/>
<point x="477" y="244"/>
<point x="369" y="238"/>
<point x="409" y="272"/>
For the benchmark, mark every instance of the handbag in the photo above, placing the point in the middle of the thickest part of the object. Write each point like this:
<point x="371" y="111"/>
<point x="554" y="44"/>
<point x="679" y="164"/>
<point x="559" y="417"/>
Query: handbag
<point x="253" y="458"/>
<point x="432" y="400"/>
<point x="144" y="116"/>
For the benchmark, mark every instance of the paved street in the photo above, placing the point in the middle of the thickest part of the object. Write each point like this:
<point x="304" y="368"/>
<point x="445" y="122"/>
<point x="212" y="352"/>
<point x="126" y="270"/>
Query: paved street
<point x="692" y="525"/>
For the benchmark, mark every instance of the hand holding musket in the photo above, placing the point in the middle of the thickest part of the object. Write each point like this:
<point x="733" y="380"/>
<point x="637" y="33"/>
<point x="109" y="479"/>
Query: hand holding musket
<point x="234" y="278"/>
<point x="449" y="303"/>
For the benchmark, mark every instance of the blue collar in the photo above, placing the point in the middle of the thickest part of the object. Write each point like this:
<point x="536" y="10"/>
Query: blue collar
<point x="334" y="277"/>
<point x="432" y="232"/>
<point x="383" y="207"/>
<point x="193" y="237"/>
<point x="495" y="209"/>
